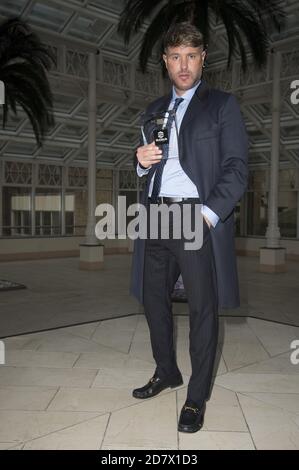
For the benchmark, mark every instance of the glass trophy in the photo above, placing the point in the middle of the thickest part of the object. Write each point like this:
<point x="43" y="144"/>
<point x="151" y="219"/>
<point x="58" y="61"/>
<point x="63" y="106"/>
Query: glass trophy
<point x="160" y="127"/>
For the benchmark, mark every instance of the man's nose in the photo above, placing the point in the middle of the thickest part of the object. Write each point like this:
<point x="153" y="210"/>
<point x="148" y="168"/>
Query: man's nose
<point x="184" y="64"/>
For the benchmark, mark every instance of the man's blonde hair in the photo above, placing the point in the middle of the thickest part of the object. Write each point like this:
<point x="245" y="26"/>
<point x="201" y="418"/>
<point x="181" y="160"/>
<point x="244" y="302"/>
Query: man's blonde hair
<point x="183" y="34"/>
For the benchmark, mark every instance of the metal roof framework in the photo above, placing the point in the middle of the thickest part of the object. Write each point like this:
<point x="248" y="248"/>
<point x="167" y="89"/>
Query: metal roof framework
<point x="74" y="28"/>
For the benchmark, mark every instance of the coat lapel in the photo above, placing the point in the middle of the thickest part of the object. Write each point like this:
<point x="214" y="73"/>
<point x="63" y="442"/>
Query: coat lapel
<point x="162" y="105"/>
<point x="193" y="108"/>
<point x="199" y="96"/>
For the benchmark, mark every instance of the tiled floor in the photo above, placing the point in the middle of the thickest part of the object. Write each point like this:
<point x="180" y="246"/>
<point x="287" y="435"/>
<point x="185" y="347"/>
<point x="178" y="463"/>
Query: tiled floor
<point x="58" y="294"/>
<point x="70" y="388"/>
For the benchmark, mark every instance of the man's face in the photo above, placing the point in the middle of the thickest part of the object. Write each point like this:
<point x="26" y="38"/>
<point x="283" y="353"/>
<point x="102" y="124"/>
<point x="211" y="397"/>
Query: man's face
<point x="184" y="66"/>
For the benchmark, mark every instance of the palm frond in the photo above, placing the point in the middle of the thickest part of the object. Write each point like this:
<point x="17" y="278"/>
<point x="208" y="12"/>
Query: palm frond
<point x="246" y="23"/>
<point x="133" y="15"/>
<point x="24" y="61"/>
<point x="249" y="21"/>
<point x="269" y="12"/>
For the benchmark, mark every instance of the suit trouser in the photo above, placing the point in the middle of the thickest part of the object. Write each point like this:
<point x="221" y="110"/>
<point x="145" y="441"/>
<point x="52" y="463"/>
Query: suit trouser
<point x="165" y="259"/>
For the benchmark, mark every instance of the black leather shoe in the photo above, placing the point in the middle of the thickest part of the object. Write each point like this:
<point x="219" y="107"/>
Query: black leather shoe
<point x="155" y="386"/>
<point x="191" y="418"/>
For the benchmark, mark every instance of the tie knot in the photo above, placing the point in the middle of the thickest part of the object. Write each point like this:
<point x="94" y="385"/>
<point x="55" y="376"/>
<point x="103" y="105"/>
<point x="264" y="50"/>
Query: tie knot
<point x="177" y="103"/>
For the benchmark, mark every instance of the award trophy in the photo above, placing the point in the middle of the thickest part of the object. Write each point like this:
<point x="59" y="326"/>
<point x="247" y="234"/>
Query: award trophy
<point x="160" y="127"/>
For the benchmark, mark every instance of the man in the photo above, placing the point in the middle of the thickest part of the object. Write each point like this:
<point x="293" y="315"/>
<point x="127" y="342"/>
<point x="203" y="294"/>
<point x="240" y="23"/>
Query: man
<point x="211" y="170"/>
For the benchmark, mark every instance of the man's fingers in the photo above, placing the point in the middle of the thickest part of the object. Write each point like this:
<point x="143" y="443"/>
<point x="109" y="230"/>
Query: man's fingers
<point x="149" y="154"/>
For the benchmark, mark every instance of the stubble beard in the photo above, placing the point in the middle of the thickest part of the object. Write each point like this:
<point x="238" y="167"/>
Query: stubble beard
<point x="177" y="83"/>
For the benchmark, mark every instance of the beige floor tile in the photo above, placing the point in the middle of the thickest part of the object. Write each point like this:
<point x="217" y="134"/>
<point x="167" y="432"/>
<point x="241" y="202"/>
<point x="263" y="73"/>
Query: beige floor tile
<point x="21" y="426"/>
<point x="85" y="436"/>
<point x="26" y="398"/>
<point x="142" y="350"/>
<point x="219" y="366"/>
<point x="275" y="365"/>
<point x="23" y="342"/>
<point x="67" y="342"/>
<point x="207" y="440"/>
<point x="142" y="324"/>
<point x="127" y="323"/>
<point x="151" y="424"/>
<point x="46" y="377"/>
<point x="182" y="321"/>
<point x="120" y="340"/>
<point x="26" y="358"/>
<point x="295" y="419"/>
<point x="237" y="355"/>
<point x="182" y="335"/>
<point x="241" y="346"/>
<point x="236" y="329"/>
<point x="117" y="333"/>
<point x="289" y="402"/>
<point x="275" y="337"/>
<point x="109" y="358"/>
<point x="270" y="427"/>
<point x="115" y="378"/>
<point x="83" y="331"/>
<point x="59" y="340"/>
<point x="17" y="447"/>
<point x="99" y="400"/>
<point x="10" y="445"/>
<point x="240" y="382"/>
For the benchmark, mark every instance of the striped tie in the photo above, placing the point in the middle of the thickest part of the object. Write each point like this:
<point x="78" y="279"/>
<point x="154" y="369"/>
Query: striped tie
<point x="162" y="163"/>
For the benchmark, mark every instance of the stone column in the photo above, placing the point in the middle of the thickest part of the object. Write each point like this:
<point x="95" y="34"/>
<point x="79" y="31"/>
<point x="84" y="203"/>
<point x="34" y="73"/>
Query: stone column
<point x="91" y="252"/>
<point x="272" y="256"/>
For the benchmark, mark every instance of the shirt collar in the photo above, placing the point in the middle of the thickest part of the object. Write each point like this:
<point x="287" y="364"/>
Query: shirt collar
<point x="188" y="95"/>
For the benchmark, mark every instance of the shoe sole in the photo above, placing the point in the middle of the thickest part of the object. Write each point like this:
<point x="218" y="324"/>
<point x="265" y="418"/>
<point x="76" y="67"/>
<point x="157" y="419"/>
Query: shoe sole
<point x="188" y="430"/>
<point x="151" y="396"/>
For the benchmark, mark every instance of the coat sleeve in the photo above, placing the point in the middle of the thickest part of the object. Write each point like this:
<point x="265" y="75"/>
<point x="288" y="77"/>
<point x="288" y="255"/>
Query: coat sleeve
<point x="232" y="181"/>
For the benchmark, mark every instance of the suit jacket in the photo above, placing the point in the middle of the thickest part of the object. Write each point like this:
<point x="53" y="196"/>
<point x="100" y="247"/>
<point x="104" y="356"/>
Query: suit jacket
<point x="213" y="151"/>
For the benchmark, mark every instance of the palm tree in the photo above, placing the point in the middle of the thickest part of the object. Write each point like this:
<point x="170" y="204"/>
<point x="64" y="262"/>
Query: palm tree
<point x="23" y="65"/>
<point x="243" y="19"/>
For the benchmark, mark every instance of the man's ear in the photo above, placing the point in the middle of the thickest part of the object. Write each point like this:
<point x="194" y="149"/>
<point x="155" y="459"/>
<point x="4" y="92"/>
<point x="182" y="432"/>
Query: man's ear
<point x="165" y="60"/>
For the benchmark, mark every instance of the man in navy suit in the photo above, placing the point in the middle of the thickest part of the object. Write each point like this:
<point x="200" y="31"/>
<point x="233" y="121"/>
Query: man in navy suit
<point x="211" y="170"/>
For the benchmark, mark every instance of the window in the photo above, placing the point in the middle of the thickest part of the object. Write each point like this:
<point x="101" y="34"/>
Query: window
<point x="257" y="209"/>
<point x="48" y="212"/>
<point x="16" y="206"/>
<point x="75" y="212"/>
<point x="287" y="213"/>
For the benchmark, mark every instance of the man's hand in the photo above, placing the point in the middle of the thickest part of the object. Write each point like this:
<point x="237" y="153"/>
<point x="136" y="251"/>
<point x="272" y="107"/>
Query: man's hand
<point x="207" y="221"/>
<point x="148" y="155"/>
